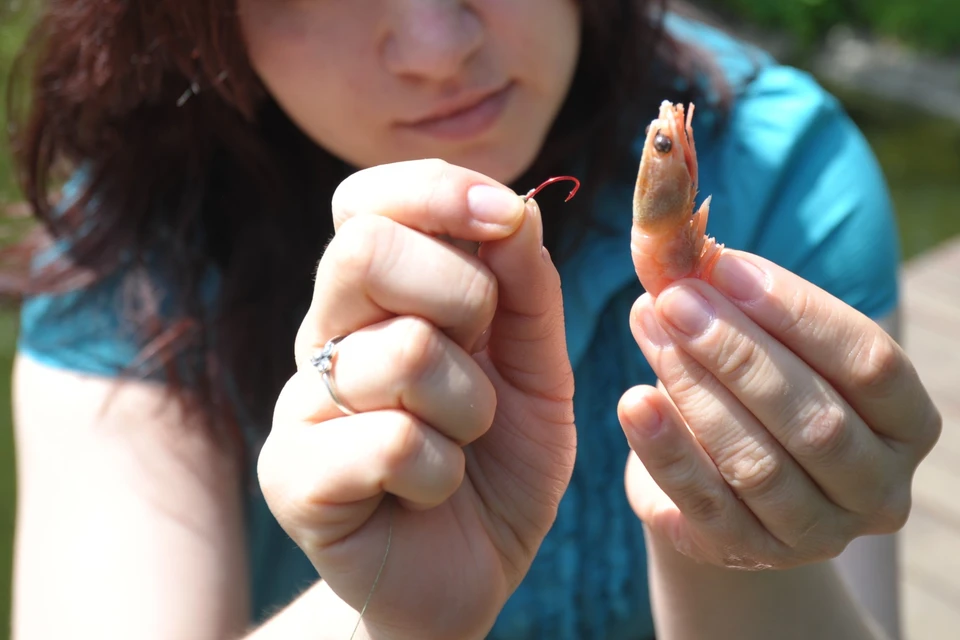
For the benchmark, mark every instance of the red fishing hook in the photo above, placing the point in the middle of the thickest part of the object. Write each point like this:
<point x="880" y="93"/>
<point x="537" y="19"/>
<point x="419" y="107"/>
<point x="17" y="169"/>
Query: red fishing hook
<point x="573" y="192"/>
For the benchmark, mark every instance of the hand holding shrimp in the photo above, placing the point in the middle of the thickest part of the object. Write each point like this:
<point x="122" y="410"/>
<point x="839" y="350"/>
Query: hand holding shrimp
<point x="787" y="423"/>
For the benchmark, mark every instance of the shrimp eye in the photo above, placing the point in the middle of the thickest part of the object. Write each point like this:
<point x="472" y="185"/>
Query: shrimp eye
<point x="662" y="143"/>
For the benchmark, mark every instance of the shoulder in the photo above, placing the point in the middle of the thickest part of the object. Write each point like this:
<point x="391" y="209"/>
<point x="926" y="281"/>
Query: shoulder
<point x="793" y="178"/>
<point x="775" y="113"/>
<point x="101" y="325"/>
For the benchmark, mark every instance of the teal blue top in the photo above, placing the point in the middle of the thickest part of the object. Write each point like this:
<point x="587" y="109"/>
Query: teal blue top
<point x="792" y="179"/>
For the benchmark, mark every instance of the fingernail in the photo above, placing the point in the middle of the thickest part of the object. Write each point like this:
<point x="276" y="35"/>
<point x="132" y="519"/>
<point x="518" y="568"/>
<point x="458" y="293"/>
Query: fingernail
<point x="652" y="329"/>
<point x="649" y="425"/>
<point x="534" y="209"/>
<point x="494" y="205"/>
<point x="739" y="279"/>
<point x="686" y="310"/>
<point x="645" y="420"/>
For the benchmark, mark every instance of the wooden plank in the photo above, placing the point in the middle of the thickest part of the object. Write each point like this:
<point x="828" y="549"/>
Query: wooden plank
<point x="931" y="553"/>
<point x="931" y="538"/>
<point x="948" y="447"/>
<point x="937" y="485"/>
<point x="932" y="310"/>
<point x="927" y="615"/>
<point x="946" y="254"/>
<point x="936" y="275"/>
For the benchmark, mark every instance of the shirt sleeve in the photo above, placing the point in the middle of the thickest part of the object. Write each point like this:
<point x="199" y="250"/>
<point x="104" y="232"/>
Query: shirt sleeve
<point x="86" y="330"/>
<point x="101" y="328"/>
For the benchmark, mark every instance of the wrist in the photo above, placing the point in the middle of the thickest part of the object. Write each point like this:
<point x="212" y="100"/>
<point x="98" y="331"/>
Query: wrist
<point x="693" y="600"/>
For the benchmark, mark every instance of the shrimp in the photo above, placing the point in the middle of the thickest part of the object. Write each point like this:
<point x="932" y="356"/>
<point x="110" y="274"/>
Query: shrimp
<point x="667" y="240"/>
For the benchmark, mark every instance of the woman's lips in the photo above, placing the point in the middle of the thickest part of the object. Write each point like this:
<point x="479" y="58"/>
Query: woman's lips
<point x="468" y="122"/>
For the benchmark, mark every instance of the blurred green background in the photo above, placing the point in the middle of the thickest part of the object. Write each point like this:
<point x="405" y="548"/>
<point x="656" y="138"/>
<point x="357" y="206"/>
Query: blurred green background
<point x="13" y="29"/>
<point x="920" y="154"/>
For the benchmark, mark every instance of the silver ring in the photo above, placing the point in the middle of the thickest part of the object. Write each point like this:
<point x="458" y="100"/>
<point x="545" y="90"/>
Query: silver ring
<point x="323" y="362"/>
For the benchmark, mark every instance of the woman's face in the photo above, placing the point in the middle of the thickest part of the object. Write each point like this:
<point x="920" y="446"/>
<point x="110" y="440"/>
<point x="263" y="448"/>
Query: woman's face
<point x="475" y="82"/>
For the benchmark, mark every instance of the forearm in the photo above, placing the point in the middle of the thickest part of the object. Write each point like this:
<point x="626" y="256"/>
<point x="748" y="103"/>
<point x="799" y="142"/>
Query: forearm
<point x="317" y="614"/>
<point x="692" y="600"/>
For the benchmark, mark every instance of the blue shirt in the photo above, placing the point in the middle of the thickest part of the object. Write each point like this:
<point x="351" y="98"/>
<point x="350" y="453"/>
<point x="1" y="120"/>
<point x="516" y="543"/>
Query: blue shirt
<point x="792" y="180"/>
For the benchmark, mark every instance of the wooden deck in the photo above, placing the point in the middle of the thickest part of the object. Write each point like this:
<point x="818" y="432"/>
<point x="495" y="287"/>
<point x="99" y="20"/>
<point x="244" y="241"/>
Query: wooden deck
<point x="930" y="547"/>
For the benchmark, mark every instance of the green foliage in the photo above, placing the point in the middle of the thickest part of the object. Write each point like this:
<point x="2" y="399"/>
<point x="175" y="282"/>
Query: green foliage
<point x="8" y="332"/>
<point x="806" y="20"/>
<point x="15" y="20"/>
<point x="929" y="24"/>
<point x="932" y="25"/>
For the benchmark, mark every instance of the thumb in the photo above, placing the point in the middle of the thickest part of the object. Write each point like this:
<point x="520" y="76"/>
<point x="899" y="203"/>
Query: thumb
<point x="527" y="341"/>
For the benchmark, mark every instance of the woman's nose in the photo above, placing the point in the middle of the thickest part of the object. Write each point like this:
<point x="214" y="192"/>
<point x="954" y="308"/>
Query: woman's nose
<point x="430" y="39"/>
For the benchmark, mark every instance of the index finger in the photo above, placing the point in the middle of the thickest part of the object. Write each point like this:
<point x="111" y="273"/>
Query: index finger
<point x="433" y="197"/>
<point x="857" y="357"/>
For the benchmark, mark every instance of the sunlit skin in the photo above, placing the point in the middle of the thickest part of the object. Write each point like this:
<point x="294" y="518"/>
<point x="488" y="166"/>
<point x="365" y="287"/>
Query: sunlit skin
<point x="363" y="78"/>
<point x="668" y="241"/>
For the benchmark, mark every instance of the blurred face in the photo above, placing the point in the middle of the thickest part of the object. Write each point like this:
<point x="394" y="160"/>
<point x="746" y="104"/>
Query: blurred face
<point x="475" y="82"/>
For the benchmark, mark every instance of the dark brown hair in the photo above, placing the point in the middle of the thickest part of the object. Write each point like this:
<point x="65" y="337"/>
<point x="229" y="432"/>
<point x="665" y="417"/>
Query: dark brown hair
<point x="190" y="165"/>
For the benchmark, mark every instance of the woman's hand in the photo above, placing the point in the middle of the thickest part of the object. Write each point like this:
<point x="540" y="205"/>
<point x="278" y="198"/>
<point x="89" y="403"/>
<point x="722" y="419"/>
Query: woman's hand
<point x="787" y="423"/>
<point x="456" y="367"/>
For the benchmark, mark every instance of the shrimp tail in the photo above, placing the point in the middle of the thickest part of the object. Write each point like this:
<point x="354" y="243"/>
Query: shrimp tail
<point x="708" y="249"/>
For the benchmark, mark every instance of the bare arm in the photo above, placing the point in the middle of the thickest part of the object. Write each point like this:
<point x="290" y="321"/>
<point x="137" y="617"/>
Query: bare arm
<point x="692" y="600"/>
<point x="129" y="522"/>
<point x="129" y="519"/>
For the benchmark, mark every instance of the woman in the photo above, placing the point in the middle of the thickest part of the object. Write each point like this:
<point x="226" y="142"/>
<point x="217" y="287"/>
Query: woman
<point x="224" y="147"/>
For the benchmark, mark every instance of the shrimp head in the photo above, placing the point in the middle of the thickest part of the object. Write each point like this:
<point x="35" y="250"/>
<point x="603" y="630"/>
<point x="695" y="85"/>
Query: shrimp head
<point x="667" y="238"/>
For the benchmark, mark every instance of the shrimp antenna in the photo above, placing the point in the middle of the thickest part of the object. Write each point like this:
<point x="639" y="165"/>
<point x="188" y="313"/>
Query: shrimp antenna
<point x="573" y="192"/>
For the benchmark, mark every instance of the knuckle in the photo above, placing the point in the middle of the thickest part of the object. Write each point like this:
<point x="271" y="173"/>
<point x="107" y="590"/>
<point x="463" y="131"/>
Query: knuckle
<point x="754" y="472"/>
<point x="879" y="366"/>
<point x="738" y="357"/>
<point x="342" y="195"/>
<point x="824" y="535"/>
<point x="293" y="496"/>
<point x="436" y="176"/>
<point x="802" y="311"/>
<point x="420" y="348"/>
<point x="930" y="431"/>
<point x="894" y="509"/>
<point x="821" y="436"/>
<point x="266" y="469"/>
<point x="832" y="546"/>
<point x="702" y="503"/>
<point x="823" y="546"/>
<point x="403" y="443"/>
<point x="687" y="381"/>
<point x="480" y="290"/>
<point x="935" y="424"/>
<point x="359" y="244"/>
<point x="438" y="168"/>
<point x="705" y="506"/>
<point x="699" y="501"/>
